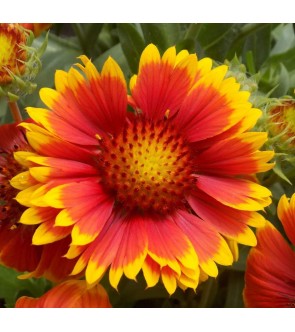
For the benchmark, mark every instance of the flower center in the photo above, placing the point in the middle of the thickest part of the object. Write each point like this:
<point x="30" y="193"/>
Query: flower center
<point x="147" y="166"/>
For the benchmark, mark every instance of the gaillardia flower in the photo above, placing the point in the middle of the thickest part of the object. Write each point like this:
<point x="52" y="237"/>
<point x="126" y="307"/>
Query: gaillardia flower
<point x="69" y="294"/>
<point x="16" y="249"/>
<point x="19" y="61"/>
<point x="158" y="188"/>
<point x="282" y="124"/>
<point x="12" y="53"/>
<point x="270" y="271"/>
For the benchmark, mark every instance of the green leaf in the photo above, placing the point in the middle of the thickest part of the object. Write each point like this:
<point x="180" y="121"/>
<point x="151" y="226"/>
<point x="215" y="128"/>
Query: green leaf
<point x="259" y="43"/>
<point x="284" y="37"/>
<point x="163" y="35"/>
<point x="278" y="170"/>
<point x="87" y="34"/>
<point x="215" y="39"/>
<point x="11" y="287"/>
<point x="132" y="44"/>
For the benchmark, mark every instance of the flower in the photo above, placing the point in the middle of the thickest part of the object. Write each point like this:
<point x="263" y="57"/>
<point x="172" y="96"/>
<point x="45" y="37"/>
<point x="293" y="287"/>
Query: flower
<point x="151" y="189"/>
<point x="281" y="124"/>
<point x="69" y="294"/>
<point x="12" y="53"/>
<point x="16" y="250"/>
<point x="15" y="239"/>
<point x="270" y="270"/>
<point x="19" y="61"/>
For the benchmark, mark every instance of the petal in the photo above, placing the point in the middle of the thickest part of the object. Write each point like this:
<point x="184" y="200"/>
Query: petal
<point x="208" y="244"/>
<point x="234" y="156"/>
<point x="47" y="145"/>
<point x="151" y="271"/>
<point x="47" y="232"/>
<point x="37" y="215"/>
<point x="228" y="221"/>
<point x="52" y="264"/>
<point x="162" y="83"/>
<point x="168" y="245"/>
<point x="86" y="105"/>
<point x="270" y="276"/>
<point x="69" y="294"/>
<point x="212" y="106"/>
<point x="90" y="223"/>
<point x="66" y="130"/>
<point x="169" y="279"/>
<point x="286" y="213"/>
<point x="16" y="250"/>
<point x="237" y="193"/>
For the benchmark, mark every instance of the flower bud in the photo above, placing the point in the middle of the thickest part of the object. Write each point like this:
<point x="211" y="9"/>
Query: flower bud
<point x="19" y="61"/>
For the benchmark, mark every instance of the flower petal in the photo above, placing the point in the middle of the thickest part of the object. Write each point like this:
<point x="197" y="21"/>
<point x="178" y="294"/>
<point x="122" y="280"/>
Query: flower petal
<point x="69" y="294"/>
<point x="270" y="271"/>
<point x="208" y="244"/>
<point x="286" y="213"/>
<point x="162" y="83"/>
<point x="237" y="193"/>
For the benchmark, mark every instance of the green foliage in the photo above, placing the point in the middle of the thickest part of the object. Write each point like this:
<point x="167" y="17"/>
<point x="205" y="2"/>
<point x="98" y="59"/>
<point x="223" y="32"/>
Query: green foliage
<point x="11" y="288"/>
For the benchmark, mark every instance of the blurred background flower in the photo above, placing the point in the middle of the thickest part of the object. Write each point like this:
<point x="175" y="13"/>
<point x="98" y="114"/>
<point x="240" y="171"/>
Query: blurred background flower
<point x="270" y="271"/>
<point x="69" y="294"/>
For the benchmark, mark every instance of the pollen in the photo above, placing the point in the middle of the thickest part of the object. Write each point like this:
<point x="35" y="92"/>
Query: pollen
<point x="147" y="167"/>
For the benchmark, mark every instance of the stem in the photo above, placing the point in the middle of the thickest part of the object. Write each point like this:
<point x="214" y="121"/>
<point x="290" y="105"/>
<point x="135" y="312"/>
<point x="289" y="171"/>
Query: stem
<point x="207" y="293"/>
<point x="79" y="33"/>
<point x="16" y="114"/>
<point x="246" y="30"/>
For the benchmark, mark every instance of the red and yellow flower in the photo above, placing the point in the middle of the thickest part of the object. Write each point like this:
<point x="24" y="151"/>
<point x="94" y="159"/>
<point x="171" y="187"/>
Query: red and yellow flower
<point x="270" y="271"/>
<point x="12" y="52"/>
<point x="160" y="188"/>
<point x="16" y="249"/>
<point x="69" y="294"/>
<point x="282" y="124"/>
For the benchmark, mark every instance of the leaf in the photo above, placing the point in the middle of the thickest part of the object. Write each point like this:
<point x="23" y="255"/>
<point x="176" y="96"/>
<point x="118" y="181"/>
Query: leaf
<point x="163" y="35"/>
<point x="132" y="44"/>
<point x="285" y="38"/>
<point x="216" y="38"/>
<point x="278" y="170"/>
<point x="87" y="34"/>
<point x="259" y="43"/>
<point x="11" y="287"/>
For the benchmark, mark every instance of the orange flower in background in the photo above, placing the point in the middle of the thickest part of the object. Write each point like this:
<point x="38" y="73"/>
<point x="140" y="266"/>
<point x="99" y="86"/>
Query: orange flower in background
<point x="36" y="28"/>
<point x="270" y="272"/>
<point x="12" y="53"/>
<point x="16" y="249"/>
<point x="282" y="123"/>
<point x="69" y="294"/>
<point x="150" y="189"/>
